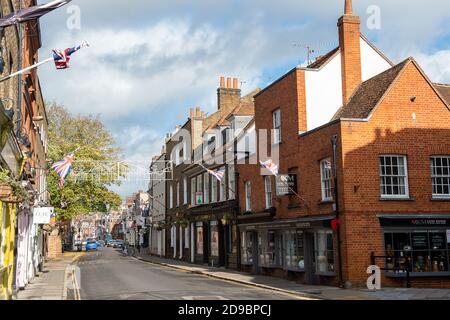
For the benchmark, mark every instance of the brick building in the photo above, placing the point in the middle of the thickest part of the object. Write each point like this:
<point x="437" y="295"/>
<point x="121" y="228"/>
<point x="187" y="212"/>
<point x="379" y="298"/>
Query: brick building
<point x="377" y="140"/>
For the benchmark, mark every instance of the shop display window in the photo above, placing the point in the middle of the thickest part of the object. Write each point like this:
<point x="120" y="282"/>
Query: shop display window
<point x="269" y="248"/>
<point x="424" y="251"/>
<point x="293" y="250"/>
<point x="323" y="252"/>
<point x="247" y="243"/>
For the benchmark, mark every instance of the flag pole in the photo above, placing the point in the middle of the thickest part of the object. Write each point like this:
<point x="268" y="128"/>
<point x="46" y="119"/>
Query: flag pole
<point x="34" y="66"/>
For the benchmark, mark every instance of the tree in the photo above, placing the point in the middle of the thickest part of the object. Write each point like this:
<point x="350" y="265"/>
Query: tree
<point x="86" y="189"/>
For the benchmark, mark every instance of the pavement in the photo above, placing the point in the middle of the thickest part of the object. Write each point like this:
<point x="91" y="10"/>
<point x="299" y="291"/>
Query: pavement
<point x="296" y="289"/>
<point x="50" y="284"/>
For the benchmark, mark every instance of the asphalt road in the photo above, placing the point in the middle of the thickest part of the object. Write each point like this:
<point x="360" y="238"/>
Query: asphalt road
<point x="109" y="275"/>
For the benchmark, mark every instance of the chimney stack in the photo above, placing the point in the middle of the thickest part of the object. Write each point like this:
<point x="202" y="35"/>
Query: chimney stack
<point x="350" y="44"/>
<point x="229" y="96"/>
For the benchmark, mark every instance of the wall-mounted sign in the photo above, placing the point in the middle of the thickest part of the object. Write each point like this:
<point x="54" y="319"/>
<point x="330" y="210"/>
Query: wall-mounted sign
<point x="43" y="215"/>
<point x="286" y="184"/>
<point x="199" y="198"/>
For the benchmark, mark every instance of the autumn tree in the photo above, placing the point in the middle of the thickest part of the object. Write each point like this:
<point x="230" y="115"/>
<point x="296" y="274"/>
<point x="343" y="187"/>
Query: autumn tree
<point x="86" y="190"/>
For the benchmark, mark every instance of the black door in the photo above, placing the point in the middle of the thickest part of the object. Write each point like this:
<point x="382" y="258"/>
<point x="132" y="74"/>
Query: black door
<point x="310" y="268"/>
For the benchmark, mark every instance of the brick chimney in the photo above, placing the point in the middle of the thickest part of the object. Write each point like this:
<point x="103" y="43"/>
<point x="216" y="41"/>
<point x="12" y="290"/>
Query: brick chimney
<point x="229" y="95"/>
<point x="349" y="42"/>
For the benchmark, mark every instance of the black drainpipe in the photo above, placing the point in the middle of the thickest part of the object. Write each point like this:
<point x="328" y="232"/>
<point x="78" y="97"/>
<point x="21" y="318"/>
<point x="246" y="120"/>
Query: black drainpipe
<point x="19" y="82"/>
<point x="336" y="197"/>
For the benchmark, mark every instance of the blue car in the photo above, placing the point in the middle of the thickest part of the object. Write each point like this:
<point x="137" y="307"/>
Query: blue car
<point x="91" y="246"/>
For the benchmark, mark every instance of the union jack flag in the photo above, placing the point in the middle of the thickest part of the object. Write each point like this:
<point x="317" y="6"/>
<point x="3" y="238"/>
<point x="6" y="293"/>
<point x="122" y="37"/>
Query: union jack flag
<point x="271" y="166"/>
<point x="218" y="174"/>
<point x="62" y="57"/>
<point x="63" y="168"/>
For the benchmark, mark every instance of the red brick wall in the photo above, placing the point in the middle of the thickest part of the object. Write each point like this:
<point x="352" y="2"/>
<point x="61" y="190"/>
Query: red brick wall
<point x="54" y="247"/>
<point x="391" y="129"/>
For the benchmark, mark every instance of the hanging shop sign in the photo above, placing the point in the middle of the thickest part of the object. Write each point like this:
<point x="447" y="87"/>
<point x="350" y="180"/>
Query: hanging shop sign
<point x="286" y="184"/>
<point x="43" y="215"/>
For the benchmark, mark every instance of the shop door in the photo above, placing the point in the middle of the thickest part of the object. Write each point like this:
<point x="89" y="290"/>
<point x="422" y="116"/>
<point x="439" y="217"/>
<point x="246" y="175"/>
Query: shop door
<point x="206" y="242"/>
<point x="255" y="254"/>
<point x="310" y="269"/>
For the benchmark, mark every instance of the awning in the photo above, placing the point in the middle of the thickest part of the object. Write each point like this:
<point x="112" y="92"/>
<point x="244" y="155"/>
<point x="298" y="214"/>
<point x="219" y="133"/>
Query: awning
<point x="298" y="223"/>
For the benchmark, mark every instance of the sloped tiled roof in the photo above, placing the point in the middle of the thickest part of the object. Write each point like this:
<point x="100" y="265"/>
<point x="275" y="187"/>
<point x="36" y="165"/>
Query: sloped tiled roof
<point x="369" y="93"/>
<point x="444" y="91"/>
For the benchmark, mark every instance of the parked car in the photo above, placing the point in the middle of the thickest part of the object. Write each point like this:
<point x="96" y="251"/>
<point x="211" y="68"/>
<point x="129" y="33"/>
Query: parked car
<point x="91" y="245"/>
<point x="101" y="243"/>
<point x="119" y="244"/>
<point x="111" y="243"/>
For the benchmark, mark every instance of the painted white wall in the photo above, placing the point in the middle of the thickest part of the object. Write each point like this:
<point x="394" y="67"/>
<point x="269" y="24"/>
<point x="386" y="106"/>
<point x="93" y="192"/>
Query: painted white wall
<point x="324" y="86"/>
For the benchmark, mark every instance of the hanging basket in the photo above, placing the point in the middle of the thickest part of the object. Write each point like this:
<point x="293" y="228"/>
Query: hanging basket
<point x="5" y="190"/>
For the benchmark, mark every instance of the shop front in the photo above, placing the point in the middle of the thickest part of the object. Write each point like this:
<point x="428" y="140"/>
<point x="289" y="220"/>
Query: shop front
<point x="419" y="244"/>
<point x="300" y="249"/>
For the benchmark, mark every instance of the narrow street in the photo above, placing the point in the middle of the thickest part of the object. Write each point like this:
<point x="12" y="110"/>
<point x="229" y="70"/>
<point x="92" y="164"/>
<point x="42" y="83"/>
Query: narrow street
<point x="109" y="275"/>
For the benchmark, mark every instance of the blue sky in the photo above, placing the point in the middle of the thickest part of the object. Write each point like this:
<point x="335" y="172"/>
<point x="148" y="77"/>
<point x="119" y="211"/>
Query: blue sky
<point x="152" y="60"/>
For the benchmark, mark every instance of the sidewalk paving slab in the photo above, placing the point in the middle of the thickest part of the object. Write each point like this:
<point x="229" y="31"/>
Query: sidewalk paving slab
<point x="306" y="291"/>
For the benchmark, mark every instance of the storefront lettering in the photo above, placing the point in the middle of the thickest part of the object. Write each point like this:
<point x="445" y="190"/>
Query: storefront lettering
<point x="420" y="222"/>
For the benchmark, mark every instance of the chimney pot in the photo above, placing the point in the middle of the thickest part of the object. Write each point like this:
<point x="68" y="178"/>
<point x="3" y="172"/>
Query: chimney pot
<point x="197" y="112"/>
<point x="235" y="83"/>
<point x="192" y="114"/>
<point x="203" y="114"/>
<point x="228" y="83"/>
<point x="222" y="82"/>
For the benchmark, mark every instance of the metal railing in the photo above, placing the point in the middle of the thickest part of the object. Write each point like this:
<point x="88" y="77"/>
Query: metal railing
<point x="404" y="269"/>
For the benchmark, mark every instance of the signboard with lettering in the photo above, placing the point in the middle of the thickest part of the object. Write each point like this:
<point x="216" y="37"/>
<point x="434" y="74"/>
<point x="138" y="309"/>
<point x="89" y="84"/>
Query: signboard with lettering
<point x="416" y="223"/>
<point x="43" y="215"/>
<point x="286" y="184"/>
<point x="448" y="236"/>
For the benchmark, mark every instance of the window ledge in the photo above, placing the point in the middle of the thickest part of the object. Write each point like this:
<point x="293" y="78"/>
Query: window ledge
<point x="325" y="202"/>
<point x="443" y="199"/>
<point x="326" y="274"/>
<point x="294" y="206"/>
<point x="411" y="199"/>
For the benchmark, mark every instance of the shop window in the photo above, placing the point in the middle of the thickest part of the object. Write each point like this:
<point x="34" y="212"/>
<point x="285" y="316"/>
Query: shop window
<point x="247" y="243"/>
<point x="394" y="177"/>
<point x="323" y="252"/>
<point x="186" y="238"/>
<point x="440" y="174"/>
<point x="293" y="249"/>
<point x="214" y="240"/>
<point x="424" y="251"/>
<point x="269" y="248"/>
<point x="199" y="239"/>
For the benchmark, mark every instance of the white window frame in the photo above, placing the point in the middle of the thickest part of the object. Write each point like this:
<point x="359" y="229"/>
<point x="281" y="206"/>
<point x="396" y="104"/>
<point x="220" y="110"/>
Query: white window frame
<point x="405" y="177"/>
<point x="326" y="180"/>
<point x="193" y="190"/>
<point x="222" y="190"/>
<point x="268" y="191"/>
<point x="206" y="187"/>
<point x="170" y="196"/>
<point x="276" y="117"/>
<point x="248" y="196"/>
<point x="231" y="182"/>
<point x="435" y="176"/>
<point x="185" y="190"/>
<point x="213" y="190"/>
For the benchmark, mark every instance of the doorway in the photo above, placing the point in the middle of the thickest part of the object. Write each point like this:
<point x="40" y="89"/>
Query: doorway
<point x="311" y="277"/>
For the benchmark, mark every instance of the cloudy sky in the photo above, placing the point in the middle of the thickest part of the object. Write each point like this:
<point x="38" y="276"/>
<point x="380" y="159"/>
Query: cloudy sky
<point x="152" y="60"/>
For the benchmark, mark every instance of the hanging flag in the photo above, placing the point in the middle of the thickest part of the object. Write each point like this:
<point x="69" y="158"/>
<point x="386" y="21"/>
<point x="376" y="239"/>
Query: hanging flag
<point x="63" y="168"/>
<point x="218" y="174"/>
<point x="31" y="13"/>
<point x="269" y="165"/>
<point x="62" y="57"/>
